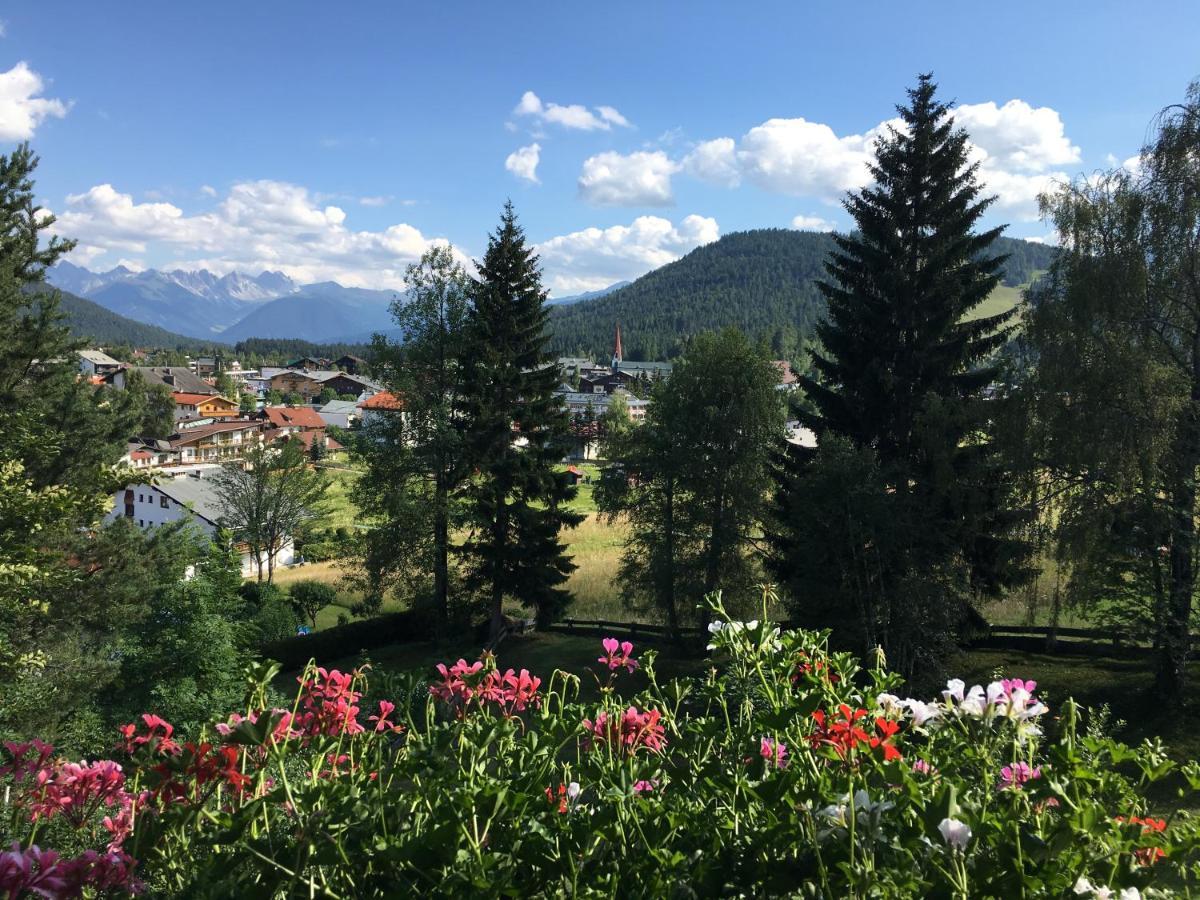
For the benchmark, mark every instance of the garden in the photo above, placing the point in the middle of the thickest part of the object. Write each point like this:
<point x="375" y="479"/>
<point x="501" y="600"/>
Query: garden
<point x="781" y="768"/>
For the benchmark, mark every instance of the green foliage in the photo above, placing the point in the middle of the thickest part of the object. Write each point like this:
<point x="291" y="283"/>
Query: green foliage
<point x="158" y="419"/>
<point x="267" y="497"/>
<point x="247" y="405"/>
<point x="274" y="397"/>
<point x="416" y="464"/>
<point x="902" y="373"/>
<point x="309" y="597"/>
<point x="1112" y="392"/>
<point x="517" y="430"/>
<point x="693" y="478"/>
<point x="327" y="395"/>
<point x="293" y="399"/>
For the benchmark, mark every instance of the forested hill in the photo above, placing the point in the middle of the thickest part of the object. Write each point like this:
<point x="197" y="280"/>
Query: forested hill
<point x="761" y="281"/>
<point x="92" y="321"/>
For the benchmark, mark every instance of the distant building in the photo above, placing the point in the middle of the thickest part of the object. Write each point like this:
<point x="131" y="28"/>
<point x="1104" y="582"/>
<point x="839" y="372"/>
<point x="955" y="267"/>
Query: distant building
<point x="192" y="497"/>
<point x="188" y="406"/>
<point x="355" y="365"/>
<point x="305" y="382"/>
<point x="97" y="362"/>
<point x="787" y="378"/>
<point x="342" y="413"/>
<point x="311" y="362"/>
<point x="177" y="378"/>
<point x="215" y="441"/>
<point x="385" y="403"/>
<point x="291" y="420"/>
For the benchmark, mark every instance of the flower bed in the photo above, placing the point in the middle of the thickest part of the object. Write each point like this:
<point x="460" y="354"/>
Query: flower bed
<point x="786" y="770"/>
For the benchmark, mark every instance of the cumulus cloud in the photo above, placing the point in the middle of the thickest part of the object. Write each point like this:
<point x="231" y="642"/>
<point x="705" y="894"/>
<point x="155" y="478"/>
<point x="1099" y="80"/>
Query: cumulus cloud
<point x="802" y="158"/>
<point x="594" y="258"/>
<point x="523" y="162"/>
<point x="377" y="200"/>
<point x="208" y="190"/>
<point x="1018" y="147"/>
<point x="258" y="225"/>
<point x="21" y="109"/>
<point x="639" y="179"/>
<point x="812" y="223"/>
<point x="573" y="116"/>
<point x="1017" y="136"/>
<point x="714" y="161"/>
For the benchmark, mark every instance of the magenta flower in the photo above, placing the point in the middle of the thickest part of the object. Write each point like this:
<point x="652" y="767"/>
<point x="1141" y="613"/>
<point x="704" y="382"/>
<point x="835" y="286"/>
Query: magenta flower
<point x="382" y="723"/>
<point x="774" y="752"/>
<point x="631" y="732"/>
<point x="645" y="787"/>
<point x="614" y="659"/>
<point x="1017" y="775"/>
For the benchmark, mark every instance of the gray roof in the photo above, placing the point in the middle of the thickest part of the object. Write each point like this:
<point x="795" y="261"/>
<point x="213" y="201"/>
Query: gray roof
<point x="181" y="378"/>
<point x="198" y="493"/>
<point x="98" y="358"/>
<point x="633" y="368"/>
<point x="340" y="406"/>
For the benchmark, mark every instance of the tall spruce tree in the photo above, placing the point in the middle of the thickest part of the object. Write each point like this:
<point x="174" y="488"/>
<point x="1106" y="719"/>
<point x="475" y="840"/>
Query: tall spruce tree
<point x="901" y="372"/>
<point x="415" y="460"/>
<point x="517" y="429"/>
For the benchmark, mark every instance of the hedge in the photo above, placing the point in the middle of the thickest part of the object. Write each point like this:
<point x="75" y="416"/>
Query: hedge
<point x="347" y="640"/>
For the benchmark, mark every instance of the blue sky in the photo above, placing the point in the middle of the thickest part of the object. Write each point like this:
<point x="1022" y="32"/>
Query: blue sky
<point x="337" y="140"/>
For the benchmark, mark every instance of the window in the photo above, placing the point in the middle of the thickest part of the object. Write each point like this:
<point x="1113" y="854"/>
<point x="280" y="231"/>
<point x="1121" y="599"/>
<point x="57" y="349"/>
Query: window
<point x="141" y="499"/>
<point x="141" y="524"/>
<point x="163" y="502"/>
<point x="129" y="510"/>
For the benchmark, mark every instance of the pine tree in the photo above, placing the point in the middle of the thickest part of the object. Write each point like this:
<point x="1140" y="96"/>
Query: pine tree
<point x="901" y="373"/>
<point x="517" y="430"/>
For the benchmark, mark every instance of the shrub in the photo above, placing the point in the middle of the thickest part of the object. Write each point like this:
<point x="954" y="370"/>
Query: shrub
<point x="310" y="597"/>
<point x="276" y="620"/>
<point x="788" y="771"/>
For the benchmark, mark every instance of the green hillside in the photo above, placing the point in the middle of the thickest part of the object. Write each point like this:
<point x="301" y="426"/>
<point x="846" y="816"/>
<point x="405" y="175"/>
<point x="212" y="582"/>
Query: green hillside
<point x="92" y="321"/>
<point x="762" y="281"/>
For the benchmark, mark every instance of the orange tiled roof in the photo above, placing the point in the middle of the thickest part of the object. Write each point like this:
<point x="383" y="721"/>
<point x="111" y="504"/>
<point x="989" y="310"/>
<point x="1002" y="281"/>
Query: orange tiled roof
<point x="294" y="417"/>
<point x="382" y="400"/>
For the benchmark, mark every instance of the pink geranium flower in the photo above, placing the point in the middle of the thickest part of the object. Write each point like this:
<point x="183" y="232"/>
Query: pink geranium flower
<point x="617" y="654"/>
<point x="773" y="752"/>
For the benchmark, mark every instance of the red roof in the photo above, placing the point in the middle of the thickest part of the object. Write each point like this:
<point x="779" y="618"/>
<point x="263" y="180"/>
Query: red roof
<point x="294" y="417"/>
<point x="786" y="375"/>
<point x="382" y="400"/>
<point x="141" y="454"/>
<point x="306" y="438"/>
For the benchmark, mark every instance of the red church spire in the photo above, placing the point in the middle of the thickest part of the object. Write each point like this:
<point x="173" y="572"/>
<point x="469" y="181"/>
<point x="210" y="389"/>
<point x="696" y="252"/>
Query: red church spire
<point x="618" y="355"/>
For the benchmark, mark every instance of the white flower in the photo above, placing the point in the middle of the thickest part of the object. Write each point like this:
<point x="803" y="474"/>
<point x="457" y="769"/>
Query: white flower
<point x="715" y="626"/>
<point x="921" y="712"/>
<point x="573" y="790"/>
<point x="888" y="703"/>
<point x="1130" y="893"/>
<point x="954" y="690"/>
<point x="955" y="833"/>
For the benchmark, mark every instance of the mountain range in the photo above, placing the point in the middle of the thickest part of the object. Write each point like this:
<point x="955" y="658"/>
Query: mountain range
<point x="231" y="307"/>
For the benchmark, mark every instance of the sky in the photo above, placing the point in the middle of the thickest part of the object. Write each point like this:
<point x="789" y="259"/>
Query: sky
<point x="338" y="141"/>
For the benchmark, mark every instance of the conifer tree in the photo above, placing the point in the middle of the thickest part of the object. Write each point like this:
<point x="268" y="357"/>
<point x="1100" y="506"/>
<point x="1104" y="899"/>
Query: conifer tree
<point x="901" y="373"/>
<point x="517" y="429"/>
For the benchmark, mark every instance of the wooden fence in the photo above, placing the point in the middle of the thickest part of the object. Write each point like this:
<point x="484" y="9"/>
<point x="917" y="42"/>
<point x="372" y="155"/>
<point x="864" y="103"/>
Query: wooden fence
<point x="1031" y="638"/>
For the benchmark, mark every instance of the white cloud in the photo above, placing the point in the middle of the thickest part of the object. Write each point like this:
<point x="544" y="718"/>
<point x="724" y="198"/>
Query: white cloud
<point x="610" y="115"/>
<point x="714" y="161"/>
<point x="1016" y="145"/>
<point x="1017" y="136"/>
<point x="573" y="116"/>
<point x="377" y="200"/>
<point x="812" y="223"/>
<point x="208" y="190"/>
<point x="523" y="162"/>
<point x="594" y="258"/>
<point x="21" y="109"/>
<point x="258" y="225"/>
<point x="802" y="158"/>
<point x="639" y="179"/>
<point x="3" y="28"/>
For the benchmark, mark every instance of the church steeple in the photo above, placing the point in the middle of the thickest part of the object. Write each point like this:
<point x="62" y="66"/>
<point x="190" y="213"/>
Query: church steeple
<point x="618" y="355"/>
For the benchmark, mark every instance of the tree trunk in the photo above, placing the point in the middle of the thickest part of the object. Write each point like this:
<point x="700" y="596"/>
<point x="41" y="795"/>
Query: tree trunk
<point x="668" y="586"/>
<point x="441" y="566"/>
<point x="1173" y="660"/>
<point x="499" y="537"/>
